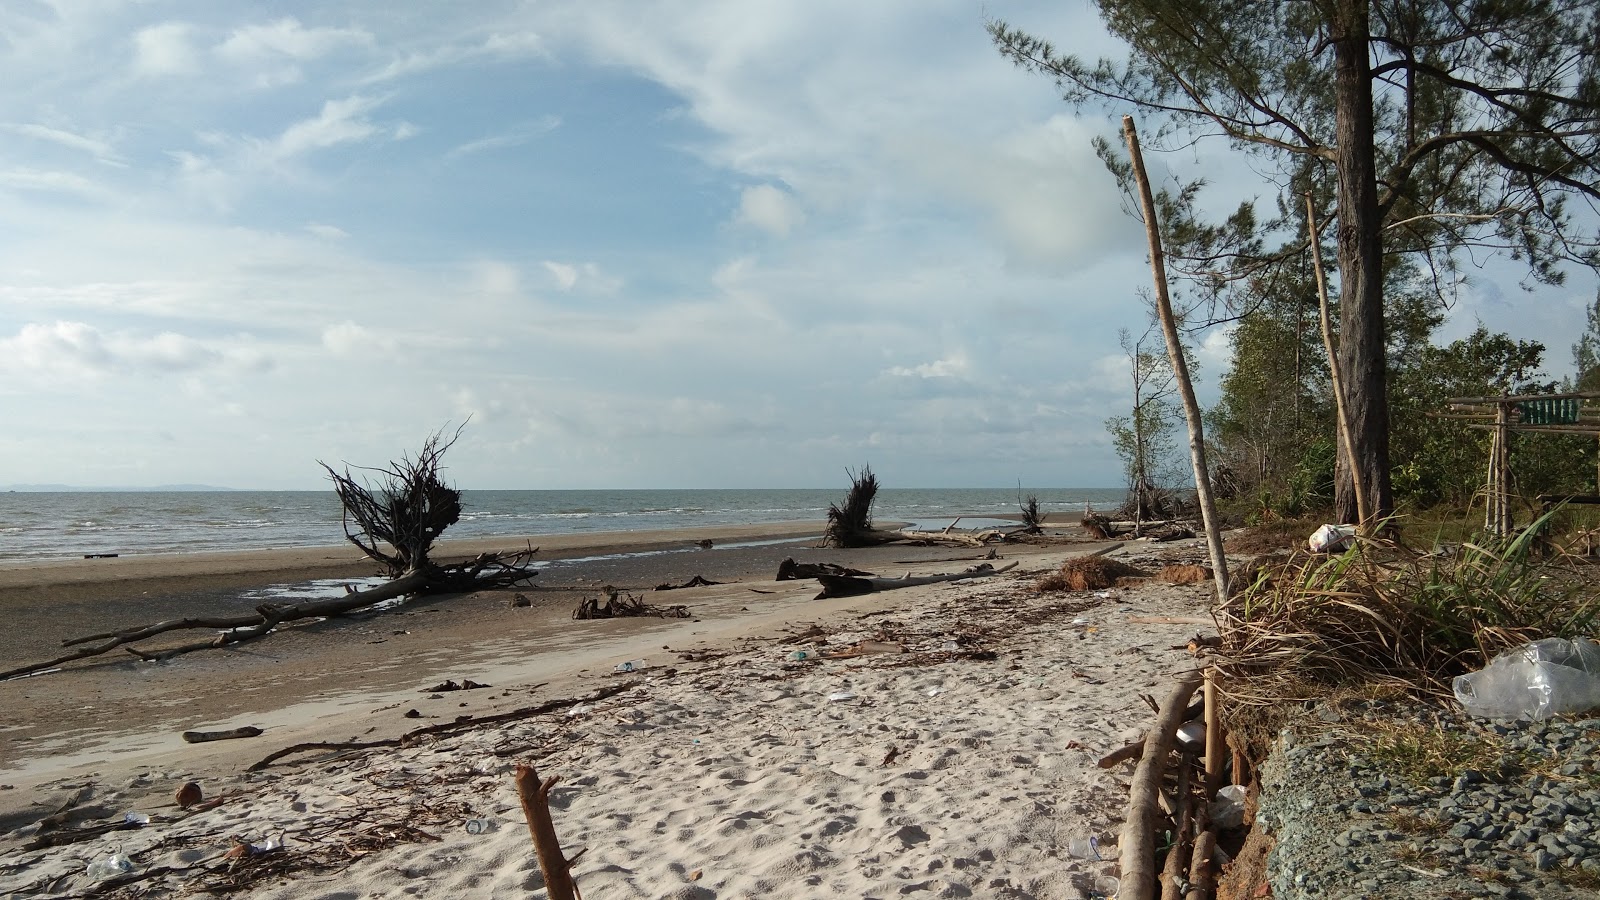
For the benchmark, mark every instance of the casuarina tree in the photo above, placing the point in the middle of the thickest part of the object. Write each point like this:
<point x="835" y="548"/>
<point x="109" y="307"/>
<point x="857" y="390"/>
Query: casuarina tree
<point x="1432" y="128"/>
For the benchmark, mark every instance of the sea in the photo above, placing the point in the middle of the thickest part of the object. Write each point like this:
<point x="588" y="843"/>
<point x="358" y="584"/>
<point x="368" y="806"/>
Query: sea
<point x="43" y="525"/>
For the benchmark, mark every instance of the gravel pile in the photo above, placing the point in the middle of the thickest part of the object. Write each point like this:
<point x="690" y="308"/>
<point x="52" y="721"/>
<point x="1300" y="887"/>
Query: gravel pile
<point x="1526" y="823"/>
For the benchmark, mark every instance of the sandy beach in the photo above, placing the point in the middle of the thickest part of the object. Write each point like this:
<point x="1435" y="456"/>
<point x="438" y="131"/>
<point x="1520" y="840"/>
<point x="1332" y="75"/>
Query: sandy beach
<point x="733" y="758"/>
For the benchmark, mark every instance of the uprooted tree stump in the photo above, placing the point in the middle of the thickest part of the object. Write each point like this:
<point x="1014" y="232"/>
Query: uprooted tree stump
<point x="850" y="523"/>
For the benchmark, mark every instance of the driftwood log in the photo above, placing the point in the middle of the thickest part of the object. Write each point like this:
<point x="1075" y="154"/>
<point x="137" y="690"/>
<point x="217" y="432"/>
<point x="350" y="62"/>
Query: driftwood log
<point x="268" y="616"/>
<point x="1138" y="852"/>
<point x="852" y="586"/>
<point x="789" y="570"/>
<point x="201" y="737"/>
<point x="557" y="869"/>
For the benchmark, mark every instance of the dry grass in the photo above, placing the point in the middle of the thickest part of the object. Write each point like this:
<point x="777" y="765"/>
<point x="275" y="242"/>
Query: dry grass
<point x="1382" y="612"/>
<point x="1419" y="751"/>
<point x="1269" y="537"/>
<point x="1089" y="573"/>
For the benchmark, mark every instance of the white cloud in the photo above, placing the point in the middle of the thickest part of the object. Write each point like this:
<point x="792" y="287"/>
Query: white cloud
<point x="348" y="338"/>
<point x="565" y="275"/>
<point x="587" y="277"/>
<point x="494" y="47"/>
<point x="76" y="350"/>
<point x="96" y="148"/>
<point x="288" y="38"/>
<point x="50" y="181"/>
<point x="330" y="232"/>
<point x="497" y="278"/>
<point x="515" y="138"/>
<point x="340" y="122"/>
<point x="165" y="49"/>
<point x="769" y="209"/>
<point x="954" y="366"/>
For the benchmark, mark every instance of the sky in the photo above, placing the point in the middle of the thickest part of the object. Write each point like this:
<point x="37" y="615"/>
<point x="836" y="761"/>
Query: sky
<point x="751" y="243"/>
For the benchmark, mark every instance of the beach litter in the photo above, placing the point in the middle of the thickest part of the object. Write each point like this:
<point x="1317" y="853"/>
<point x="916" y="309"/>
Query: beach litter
<point x="1331" y="539"/>
<point x="841" y="696"/>
<point x="109" y="866"/>
<point x="1537" y="680"/>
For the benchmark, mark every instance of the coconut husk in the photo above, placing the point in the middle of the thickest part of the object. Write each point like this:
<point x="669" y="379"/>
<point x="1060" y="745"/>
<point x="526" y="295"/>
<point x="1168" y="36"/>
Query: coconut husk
<point x="1089" y="573"/>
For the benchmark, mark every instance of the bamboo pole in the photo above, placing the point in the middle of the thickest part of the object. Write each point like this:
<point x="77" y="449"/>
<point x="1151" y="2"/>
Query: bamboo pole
<point x="1180" y="367"/>
<point x="1345" y="441"/>
<point x="1213" y="733"/>
<point x="557" y="869"/>
<point x="1138" y="851"/>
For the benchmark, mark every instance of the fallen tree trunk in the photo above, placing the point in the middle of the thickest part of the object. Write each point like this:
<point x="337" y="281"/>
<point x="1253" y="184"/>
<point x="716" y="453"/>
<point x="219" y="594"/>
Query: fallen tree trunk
<point x="789" y="570"/>
<point x="485" y="571"/>
<point x="851" y="586"/>
<point x="1138" y="852"/>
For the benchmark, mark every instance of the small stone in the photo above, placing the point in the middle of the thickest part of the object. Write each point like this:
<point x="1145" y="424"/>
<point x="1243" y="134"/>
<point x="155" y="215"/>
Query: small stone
<point x="1543" y="861"/>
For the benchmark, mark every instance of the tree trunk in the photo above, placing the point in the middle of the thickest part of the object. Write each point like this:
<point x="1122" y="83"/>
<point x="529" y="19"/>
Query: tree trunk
<point x="1360" y="240"/>
<point x="1180" y="368"/>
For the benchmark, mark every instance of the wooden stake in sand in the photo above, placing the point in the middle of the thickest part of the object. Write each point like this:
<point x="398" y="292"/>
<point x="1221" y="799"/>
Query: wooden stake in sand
<point x="557" y="869"/>
<point x="1213" y="733"/>
<point x="1138" y="854"/>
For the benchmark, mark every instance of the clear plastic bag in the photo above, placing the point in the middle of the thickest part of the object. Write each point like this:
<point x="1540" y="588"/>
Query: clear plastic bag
<point x="1331" y="539"/>
<point x="1545" y="678"/>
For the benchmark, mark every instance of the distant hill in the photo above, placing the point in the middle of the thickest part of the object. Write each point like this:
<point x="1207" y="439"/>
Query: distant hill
<point x="72" y="488"/>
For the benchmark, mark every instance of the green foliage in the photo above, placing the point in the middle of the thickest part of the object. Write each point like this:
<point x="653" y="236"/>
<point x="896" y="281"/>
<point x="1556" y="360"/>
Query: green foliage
<point x="1462" y="128"/>
<point x="1442" y="461"/>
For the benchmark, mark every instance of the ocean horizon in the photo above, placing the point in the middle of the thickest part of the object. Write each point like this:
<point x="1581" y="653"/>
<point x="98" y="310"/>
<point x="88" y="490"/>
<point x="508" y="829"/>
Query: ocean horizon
<point x="42" y="525"/>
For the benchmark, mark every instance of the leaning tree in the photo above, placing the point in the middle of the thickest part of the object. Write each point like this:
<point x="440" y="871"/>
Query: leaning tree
<point x="1434" y="128"/>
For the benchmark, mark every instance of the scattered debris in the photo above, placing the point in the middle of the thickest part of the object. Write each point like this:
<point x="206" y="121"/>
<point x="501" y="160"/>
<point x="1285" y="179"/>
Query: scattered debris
<point x="696" y="581"/>
<point x="201" y="737"/>
<point x="624" y="605"/>
<point x="467" y="684"/>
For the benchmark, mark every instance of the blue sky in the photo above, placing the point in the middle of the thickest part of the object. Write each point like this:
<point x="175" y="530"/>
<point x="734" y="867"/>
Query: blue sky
<point x="669" y="244"/>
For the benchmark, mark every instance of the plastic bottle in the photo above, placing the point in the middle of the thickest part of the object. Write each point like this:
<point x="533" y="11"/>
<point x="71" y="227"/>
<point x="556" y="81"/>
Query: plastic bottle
<point x="480" y="826"/>
<point x="110" y="867"/>
<point x="629" y="666"/>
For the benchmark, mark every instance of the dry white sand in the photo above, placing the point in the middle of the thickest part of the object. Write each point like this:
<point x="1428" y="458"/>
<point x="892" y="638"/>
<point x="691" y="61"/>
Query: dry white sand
<point x="938" y="772"/>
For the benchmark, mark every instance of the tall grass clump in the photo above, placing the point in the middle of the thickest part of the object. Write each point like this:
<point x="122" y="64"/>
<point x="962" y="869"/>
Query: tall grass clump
<point x="1381" y="612"/>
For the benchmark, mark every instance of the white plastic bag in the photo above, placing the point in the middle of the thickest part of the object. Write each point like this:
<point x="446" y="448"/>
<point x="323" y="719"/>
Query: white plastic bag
<point x="1331" y="538"/>
<point x="1546" y="678"/>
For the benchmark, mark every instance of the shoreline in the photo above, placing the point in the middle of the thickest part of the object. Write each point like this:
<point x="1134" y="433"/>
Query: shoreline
<point x="114" y="710"/>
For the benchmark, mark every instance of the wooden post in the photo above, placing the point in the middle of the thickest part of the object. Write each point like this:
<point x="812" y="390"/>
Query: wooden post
<point x="1137" y="852"/>
<point x="1180" y="367"/>
<point x="1213" y="734"/>
<point x="1345" y="443"/>
<point x="557" y="869"/>
<point x="1502" y="475"/>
